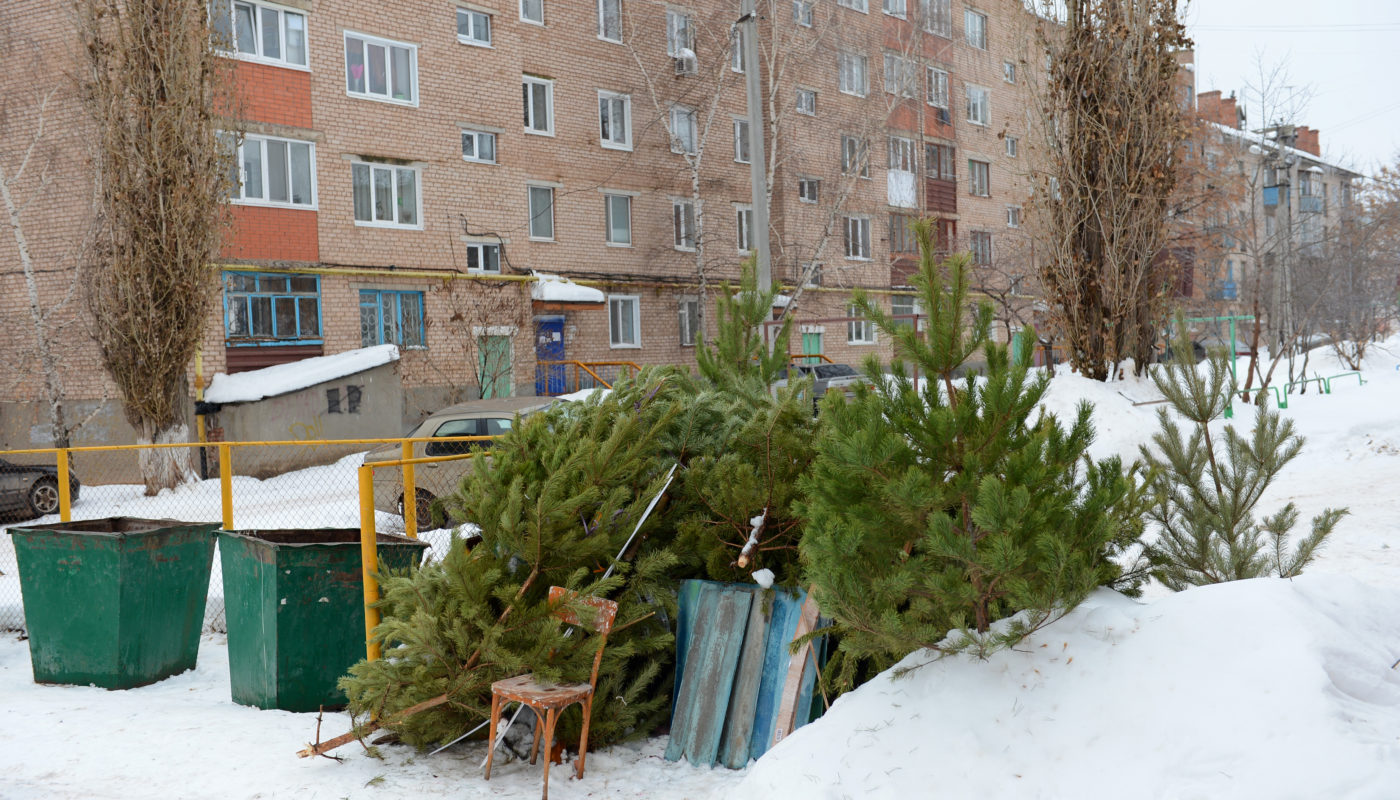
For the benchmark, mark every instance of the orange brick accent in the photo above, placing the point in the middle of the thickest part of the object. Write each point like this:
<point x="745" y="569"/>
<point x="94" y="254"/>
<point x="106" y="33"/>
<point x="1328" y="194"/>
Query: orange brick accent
<point x="275" y="95"/>
<point x="272" y="234"/>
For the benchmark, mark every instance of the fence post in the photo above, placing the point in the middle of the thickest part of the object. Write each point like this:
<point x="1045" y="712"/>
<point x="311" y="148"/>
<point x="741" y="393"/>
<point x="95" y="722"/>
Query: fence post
<point x="226" y="484"/>
<point x="369" y="560"/>
<point x="65" y="492"/>
<point x="410" y="494"/>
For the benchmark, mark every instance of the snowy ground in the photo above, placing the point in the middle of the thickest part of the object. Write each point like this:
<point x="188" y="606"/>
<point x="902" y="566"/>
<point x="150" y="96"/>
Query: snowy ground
<point x="1261" y="689"/>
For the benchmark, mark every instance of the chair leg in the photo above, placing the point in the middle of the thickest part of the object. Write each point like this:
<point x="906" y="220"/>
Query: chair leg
<point x="539" y="723"/>
<point x="491" y="737"/>
<point x="551" y="716"/>
<point x="583" y="737"/>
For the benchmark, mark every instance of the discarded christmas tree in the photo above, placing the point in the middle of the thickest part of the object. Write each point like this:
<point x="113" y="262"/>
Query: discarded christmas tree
<point x="1207" y="488"/>
<point x="944" y="505"/>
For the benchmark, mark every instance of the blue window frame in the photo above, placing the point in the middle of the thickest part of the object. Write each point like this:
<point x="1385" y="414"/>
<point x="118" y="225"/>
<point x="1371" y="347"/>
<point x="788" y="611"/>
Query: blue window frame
<point x="391" y="318"/>
<point x="271" y="309"/>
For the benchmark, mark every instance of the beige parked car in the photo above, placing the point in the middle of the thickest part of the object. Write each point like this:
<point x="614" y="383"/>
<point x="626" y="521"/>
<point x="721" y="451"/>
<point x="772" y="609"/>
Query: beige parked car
<point x="474" y="418"/>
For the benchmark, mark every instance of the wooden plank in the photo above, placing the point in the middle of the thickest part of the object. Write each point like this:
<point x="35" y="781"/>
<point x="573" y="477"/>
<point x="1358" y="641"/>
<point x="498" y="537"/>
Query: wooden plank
<point x="782" y="623"/>
<point x="743" y="700"/>
<point x="716" y="639"/>
<point x="801" y="663"/>
<point x="687" y="598"/>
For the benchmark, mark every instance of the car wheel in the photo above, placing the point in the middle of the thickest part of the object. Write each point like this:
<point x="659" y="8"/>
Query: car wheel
<point x="43" y="497"/>
<point x="425" y="507"/>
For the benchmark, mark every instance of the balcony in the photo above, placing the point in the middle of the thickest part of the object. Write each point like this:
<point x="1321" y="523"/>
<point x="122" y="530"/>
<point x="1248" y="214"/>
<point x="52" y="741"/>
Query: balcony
<point x="1272" y="195"/>
<point x="1311" y="204"/>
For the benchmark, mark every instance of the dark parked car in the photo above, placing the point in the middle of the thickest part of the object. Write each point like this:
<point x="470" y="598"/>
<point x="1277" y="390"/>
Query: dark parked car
<point x="842" y="377"/>
<point x="31" y="489"/>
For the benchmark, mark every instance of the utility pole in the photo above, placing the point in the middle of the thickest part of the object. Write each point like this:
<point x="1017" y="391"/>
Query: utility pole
<point x="748" y="41"/>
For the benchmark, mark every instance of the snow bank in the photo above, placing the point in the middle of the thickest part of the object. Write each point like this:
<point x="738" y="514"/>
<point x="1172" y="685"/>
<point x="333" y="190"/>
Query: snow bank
<point x="283" y="378"/>
<point x="555" y="289"/>
<point x="1255" y="689"/>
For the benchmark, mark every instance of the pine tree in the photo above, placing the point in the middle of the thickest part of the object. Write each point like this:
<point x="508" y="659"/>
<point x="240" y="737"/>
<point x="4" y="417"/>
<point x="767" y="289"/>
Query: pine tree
<point x="1207" y="490"/>
<point x="942" y="505"/>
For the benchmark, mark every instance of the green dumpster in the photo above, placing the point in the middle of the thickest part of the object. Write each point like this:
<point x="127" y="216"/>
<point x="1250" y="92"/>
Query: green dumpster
<point x="294" y="601"/>
<point x="116" y="602"/>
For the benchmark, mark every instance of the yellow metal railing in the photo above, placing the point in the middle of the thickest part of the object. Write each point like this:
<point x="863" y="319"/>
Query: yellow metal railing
<point x="580" y="367"/>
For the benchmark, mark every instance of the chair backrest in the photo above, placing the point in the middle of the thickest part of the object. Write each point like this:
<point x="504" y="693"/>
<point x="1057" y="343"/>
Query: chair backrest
<point x="599" y="621"/>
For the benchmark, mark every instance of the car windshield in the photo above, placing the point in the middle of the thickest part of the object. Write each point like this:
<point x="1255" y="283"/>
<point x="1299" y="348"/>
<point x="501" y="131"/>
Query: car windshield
<point x="834" y="370"/>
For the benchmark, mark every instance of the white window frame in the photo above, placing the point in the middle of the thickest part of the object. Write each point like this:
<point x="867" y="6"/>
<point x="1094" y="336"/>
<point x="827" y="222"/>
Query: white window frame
<point x="810" y="108"/>
<point x="855" y="151"/>
<point x="979" y="104"/>
<point x="802" y="13"/>
<point x="1008" y="71"/>
<point x="689" y="323"/>
<point x="855" y="5"/>
<point x="903" y="71"/>
<point x="980" y="236"/>
<point x="257" y="6"/>
<point x="264" y="177"/>
<point x="741" y="140"/>
<point x="683" y="223"/>
<point x="743" y="228"/>
<point x="683" y="118"/>
<point x="809" y="190"/>
<point x="903" y="155"/>
<point x="394" y="170"/>
<point x="896" y="8"/>
<point x="603" y="5"/>
<point x="477" y="136"/>
<point x="680" y="34"/>
<point x="610" y="203"/>
<point x="859" y="330"/>
<point x="368" y="40"/>
<point x="481" y="259"/>
<point x="979" y="177"/>
<point x="736" y="51"/>
<point x="1013" y="147"/>
<point x="937" y="87"/>
<point x="975" y="28"/>
<point x="853" y="73"/>
<point x="472" y="37"/>
<point x="1013" y="216"/>
<point x="615" y="340"/>
<point x="532" y="214"/>
<point x="524" y="16"/>
<point x="613" y="142"/>
<point x="547" y="86"/>
<point x="856" y="238"/>
<point x="938" y="17"/>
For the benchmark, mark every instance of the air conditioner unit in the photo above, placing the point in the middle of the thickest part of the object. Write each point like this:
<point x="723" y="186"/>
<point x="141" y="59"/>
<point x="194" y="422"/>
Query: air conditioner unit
<point x="685" y="62"/>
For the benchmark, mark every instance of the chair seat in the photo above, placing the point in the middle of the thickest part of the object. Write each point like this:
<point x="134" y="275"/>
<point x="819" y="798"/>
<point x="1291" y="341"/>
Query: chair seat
<point x="524" y="689"/>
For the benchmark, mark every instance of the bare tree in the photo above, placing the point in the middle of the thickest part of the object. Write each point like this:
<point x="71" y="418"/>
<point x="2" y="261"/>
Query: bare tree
<point x="486" y="319"/>
<point x="150" y="84"/>
<point x="1360" y="304"/>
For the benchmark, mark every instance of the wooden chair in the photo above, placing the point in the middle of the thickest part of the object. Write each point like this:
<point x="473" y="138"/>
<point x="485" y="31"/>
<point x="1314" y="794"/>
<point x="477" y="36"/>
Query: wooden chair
<point x="547" y="701"/>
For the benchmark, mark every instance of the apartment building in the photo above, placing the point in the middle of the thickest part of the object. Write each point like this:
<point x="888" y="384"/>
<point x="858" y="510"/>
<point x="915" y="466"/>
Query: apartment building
<point x="407" y="170"/>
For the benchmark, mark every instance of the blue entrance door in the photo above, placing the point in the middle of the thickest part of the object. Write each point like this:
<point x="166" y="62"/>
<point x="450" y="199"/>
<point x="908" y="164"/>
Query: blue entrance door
<point x="550" y="379"/>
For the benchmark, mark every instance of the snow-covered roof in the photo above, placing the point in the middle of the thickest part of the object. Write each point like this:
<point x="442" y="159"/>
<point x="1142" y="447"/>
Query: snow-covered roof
<point x="279" y="379"/>
<point x="555" y="289"/>
<point x="1262" y="141"/>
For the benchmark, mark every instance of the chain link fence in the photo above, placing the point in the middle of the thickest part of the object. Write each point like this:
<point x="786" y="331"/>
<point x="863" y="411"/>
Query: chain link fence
<point x="271" y="486"/>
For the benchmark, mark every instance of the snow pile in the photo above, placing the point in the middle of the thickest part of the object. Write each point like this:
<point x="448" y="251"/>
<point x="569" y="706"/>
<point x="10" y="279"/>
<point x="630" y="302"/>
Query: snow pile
<point x="283" y="378"/>
<point x="1254" y="689"/>
<point x="555" y="289"/>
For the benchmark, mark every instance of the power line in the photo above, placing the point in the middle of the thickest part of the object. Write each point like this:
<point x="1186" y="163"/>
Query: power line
<point x="1383" y="27"/>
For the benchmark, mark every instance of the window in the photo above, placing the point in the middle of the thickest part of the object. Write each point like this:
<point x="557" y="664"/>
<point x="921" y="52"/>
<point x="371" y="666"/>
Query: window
<point x="385" y="195"/>
<point x="479" y="146"/>
<point x="271" y="309"/>
<point x="538" y="97"/>
<point x="807" y="102"/>
<point x="741" y="141"/>
<point x="902" y="239"/>
<point x="811" y="274"/>
<point x="379" y="69"/>
<point x="857" y="236"/>
<point x="808" y="189"/>
<point x="1013" y="146"/>
<point x="940" y="161"/>
<point x="610" y="20"/>
<point x="938" y="17"/>
<point x="532" y="11"/>
<point x="683" y="137"/>
<point x="1008" y="71"/>
<point x="851" y="74"/>
<point x="542" y="213"/>
<point x="259" y="31"/>
<point x="981" y="242"/>
<point x="902" y="154"/>
<point x="975" y="29"/>
<point x="855" y="156"/>
<point x="802" y="13"/>
<point x="858" y="329"/>
<point x="938" y="87"/>
<point x="683" y="217"/>
<point x="907" y="306"/>
<point x="618" y="211"/>
<point x="744" y="225"/>
<point x="979" y="177"/>
<point x="473" y="27"/>
<point x="275" y="172"/>
<point x="897" y="8"/>
<point x="623" y="319"/>
<point x="680" y="37"/>
<point x="615" y="120"/>
<point x="901" y="77"/>
<point x="858" y="5"/>
<point x="736" y="50"/>
<point x="484" y="258"/>
<point x="1013" y="216"/>
<point x="689" y="321"/>
<point x="978" y="105"/>
<point x="391" y="318"/>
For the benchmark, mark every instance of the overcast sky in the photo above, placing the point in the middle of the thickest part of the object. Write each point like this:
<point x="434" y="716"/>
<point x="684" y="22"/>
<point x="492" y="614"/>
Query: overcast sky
<point x="1339" y="56"/>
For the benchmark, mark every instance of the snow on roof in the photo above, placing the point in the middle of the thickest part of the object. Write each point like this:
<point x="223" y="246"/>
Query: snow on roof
<point x="781" y="301"/>
<point x="279" y="379"/>
<point x="555" y="289"/>
<point x="1259" y="140"/>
